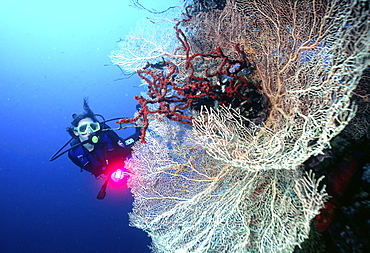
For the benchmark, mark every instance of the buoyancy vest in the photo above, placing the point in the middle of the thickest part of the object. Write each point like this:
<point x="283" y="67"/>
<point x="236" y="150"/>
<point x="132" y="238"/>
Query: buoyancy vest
<point x="95" y="161"/>
<point x="83" y="157"/>
<point x="110" y="146"/>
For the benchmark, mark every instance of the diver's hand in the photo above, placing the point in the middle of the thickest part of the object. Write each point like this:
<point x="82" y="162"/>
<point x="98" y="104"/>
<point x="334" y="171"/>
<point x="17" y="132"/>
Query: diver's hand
<point x="102" y="176"/>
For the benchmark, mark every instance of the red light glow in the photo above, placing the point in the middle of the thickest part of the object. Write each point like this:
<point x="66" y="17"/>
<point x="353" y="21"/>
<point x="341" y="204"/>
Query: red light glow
<point x="118" y="175"/>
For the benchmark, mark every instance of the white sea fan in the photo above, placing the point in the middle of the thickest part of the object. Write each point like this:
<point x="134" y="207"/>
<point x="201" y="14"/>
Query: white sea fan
<point x="227" y="186"/>
<point x="188" y="201"/>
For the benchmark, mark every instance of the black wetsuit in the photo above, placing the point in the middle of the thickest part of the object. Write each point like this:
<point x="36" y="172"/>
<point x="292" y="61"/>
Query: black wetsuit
<point x="109" y="153"/>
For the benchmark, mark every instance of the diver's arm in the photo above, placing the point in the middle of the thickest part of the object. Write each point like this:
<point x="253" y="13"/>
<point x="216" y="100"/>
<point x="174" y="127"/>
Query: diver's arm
<point x="130" y="141"/>
<point x="127" y="142"/>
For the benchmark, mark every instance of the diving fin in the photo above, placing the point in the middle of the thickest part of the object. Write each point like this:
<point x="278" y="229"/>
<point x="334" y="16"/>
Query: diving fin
<point x="102" y="192"/>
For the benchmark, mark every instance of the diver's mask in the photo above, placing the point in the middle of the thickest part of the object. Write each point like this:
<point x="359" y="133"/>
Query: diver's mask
<point x="83" y="129"/>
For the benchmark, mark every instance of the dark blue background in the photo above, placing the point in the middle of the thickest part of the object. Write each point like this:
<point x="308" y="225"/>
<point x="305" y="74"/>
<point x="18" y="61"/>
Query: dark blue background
<point x="52" y="54"/>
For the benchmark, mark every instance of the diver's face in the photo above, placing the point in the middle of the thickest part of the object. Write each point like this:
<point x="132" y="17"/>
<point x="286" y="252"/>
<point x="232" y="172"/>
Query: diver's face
<point x="84" y="137"/>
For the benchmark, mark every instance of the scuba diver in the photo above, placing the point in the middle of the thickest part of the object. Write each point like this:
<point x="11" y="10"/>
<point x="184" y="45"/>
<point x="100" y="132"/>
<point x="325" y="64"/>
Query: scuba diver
<point x="96" y="148"/>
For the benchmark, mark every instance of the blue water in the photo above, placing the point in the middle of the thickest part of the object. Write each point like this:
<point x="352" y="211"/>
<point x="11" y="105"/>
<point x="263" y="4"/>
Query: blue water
<point x="52" y="54"/>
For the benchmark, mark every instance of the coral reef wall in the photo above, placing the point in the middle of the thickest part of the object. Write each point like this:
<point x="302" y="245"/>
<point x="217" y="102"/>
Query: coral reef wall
<point x="231" y="184"/>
